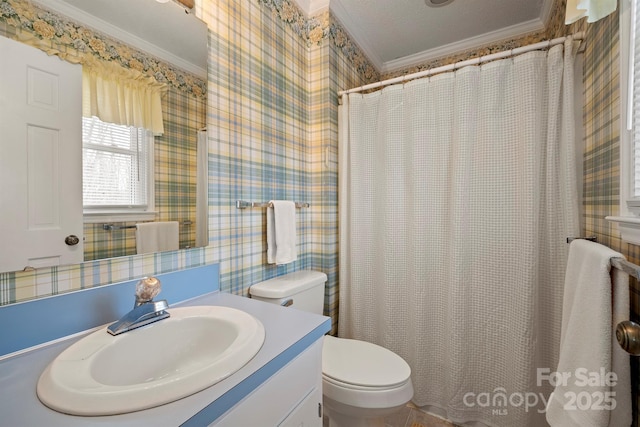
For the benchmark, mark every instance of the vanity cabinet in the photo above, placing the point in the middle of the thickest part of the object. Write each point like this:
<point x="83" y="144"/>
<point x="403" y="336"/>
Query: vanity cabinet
<point x="280" y="386"/>
<point x="292" y="397"/>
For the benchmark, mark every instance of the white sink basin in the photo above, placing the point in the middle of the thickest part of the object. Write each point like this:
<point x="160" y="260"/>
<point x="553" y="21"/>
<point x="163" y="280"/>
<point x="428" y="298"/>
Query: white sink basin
<point x="165" y="361"/>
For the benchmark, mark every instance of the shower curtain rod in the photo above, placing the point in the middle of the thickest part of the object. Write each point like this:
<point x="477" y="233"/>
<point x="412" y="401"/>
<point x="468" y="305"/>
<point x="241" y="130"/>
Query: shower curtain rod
<point x="460" y="64"/>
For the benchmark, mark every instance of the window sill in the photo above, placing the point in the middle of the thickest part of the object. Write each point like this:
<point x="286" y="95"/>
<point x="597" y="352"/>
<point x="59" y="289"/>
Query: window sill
<point x="115" y="216"/>
<point x="629" y="227"/>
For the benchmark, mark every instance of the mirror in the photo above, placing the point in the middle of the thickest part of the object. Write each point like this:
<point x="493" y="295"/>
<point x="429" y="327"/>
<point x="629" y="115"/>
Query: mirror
<point x="170" y="34"/>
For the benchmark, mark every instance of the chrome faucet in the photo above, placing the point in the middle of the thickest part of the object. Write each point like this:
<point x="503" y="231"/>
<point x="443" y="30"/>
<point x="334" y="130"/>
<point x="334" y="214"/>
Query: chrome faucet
<point x="145" y="310"/>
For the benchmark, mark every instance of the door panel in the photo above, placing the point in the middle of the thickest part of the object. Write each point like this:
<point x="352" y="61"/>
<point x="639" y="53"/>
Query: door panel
<point x="40" y="158"/>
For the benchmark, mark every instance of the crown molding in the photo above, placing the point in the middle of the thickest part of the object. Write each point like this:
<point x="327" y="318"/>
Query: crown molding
<point x="312" y="7"/>
<point x="547" y="8"/>
<point x="348" y="22"/>
<point x="118" y="33"/>
<point x="467" y="44"/>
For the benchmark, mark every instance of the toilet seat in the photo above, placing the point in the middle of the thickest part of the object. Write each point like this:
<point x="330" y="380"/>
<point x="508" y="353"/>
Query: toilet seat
<point x="356" y="365"/>
<point x="348" y="399"/>
<point x="330" y="381"/>
<point x="360" y="376"/>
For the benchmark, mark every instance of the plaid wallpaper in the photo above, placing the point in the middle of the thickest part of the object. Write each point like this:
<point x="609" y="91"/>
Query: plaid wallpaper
<point x="601" y="191"/>
<point x="26" y="285"/>
<point x="331" y="71"/>
<point x="257" y="119"/>
<point x="272" y="123"/>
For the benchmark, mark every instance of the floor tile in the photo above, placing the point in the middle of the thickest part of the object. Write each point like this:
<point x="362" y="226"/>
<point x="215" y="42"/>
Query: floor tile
<point x="409" y="417"/>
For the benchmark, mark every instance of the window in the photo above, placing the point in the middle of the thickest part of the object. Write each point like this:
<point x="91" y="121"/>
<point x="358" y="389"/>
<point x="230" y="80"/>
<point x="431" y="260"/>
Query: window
<point x="634" y="103"/>
<point x="630" y="111"/>
<point x="629" y="219"/>
<point x="117" y="169"/>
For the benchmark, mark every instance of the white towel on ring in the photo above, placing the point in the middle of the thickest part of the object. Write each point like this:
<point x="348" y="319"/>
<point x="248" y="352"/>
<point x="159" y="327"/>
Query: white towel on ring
<point x="281" y="232"/>
<point x="593" y="304"/>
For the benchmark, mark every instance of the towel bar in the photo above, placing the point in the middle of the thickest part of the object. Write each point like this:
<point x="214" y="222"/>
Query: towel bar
<point x="241" y="204"/>
<point x="620" y="263"/>
<point x="627" y="332"/>
<point x="628" y="267"/>
<point x="112" y="227"/>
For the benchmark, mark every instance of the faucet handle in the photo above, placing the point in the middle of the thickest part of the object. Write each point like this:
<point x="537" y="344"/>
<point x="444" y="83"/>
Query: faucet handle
<point x="147" y="289"/>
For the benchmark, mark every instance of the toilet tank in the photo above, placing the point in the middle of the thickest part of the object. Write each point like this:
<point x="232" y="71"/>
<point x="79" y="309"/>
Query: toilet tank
<point x="303" y="290"/>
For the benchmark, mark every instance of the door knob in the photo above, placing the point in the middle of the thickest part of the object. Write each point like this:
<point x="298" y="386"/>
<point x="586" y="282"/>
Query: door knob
<point x="71" y="240"/>
<point x="628" y="336"/>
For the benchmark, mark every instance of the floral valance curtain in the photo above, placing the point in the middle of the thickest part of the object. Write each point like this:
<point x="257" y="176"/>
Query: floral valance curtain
<point x="112" y="93"/>
<point x="122" y="96"/>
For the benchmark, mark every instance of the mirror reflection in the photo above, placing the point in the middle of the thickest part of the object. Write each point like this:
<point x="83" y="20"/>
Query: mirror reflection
<point x="158" y="40"/>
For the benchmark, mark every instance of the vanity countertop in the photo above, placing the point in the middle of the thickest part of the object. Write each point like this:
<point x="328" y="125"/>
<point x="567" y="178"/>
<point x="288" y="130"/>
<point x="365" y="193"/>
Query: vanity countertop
<point x="288" y="333"/>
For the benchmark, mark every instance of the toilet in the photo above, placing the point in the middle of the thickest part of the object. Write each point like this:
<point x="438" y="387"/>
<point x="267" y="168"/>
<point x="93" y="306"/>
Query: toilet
<point x="361" y="382"/>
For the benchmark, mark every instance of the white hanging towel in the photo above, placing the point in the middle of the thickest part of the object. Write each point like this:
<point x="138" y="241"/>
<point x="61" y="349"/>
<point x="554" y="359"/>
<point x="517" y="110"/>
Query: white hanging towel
<point x="281" y="232"/>
<point x="595" y="300"/>
<point x="157" y="236"/>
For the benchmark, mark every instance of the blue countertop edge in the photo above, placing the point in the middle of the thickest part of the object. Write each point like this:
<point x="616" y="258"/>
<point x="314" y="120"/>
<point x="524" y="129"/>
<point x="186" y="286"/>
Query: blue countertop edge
<point x="216" y="409"/>
<point x="203" y="287"/>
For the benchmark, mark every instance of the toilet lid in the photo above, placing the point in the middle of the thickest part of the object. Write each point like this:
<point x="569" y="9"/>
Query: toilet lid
<point x="362" y="363"/>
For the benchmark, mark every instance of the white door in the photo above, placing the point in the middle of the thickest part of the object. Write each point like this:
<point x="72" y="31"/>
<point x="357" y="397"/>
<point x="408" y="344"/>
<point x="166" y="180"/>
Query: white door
<point x="40" y="158"/>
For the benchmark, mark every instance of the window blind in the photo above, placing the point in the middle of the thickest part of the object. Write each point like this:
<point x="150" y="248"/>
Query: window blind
<point x="115" y="163"/>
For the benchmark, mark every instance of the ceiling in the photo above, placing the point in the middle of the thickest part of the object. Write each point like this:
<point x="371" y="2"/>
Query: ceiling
<point x="397" y="34"/>
<point x="393" y="34"/>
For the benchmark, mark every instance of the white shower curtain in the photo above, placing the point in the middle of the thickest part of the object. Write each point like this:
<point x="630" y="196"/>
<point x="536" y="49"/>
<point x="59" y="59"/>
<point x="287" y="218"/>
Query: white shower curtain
<point x="456" y="195"/>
